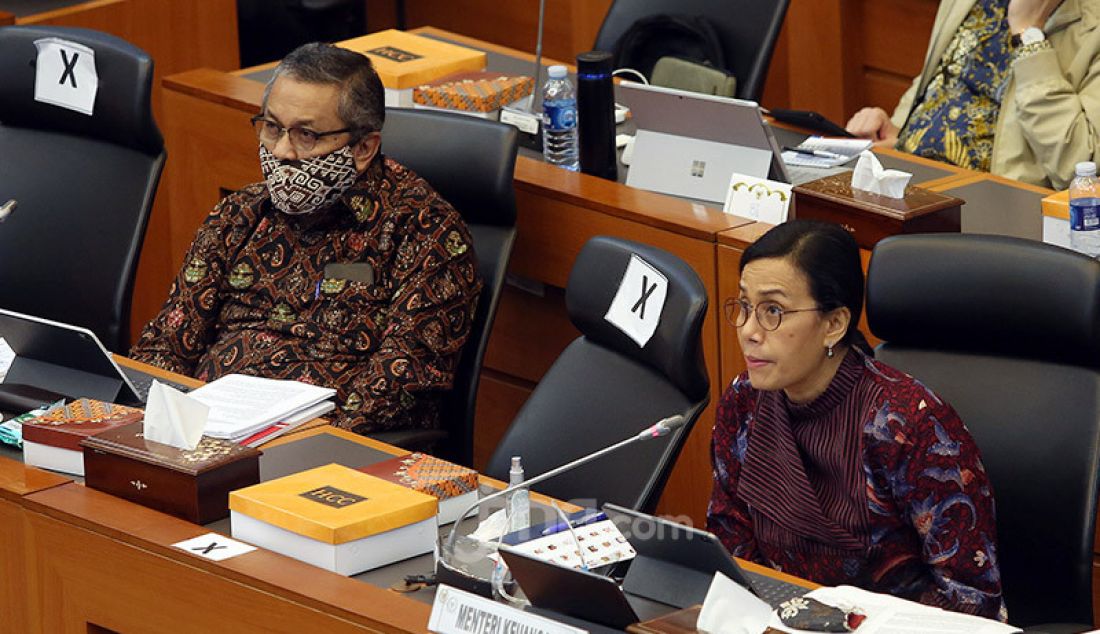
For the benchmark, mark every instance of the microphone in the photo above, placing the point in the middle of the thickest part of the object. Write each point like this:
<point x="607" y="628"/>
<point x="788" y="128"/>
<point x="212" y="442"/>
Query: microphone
<point x="467" y="578"/>
<point x="7" y="209"/>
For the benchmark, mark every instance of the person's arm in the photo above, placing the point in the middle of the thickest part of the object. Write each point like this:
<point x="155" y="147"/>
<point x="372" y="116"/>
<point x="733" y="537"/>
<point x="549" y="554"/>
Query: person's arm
<point x="185" y="326"/>
<point x="727" y="516"/>
<point x="429" y="320"/>
<point x="942" y="488"/>
<point x="1059" y="121"/>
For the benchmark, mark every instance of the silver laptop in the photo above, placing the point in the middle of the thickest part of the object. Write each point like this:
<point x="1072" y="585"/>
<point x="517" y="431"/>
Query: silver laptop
<point x="689" y="144"/>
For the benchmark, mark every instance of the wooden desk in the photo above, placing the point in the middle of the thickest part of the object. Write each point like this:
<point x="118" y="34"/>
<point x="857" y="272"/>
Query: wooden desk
<point x="97" y="563"/>
<point x="21" y="608"/>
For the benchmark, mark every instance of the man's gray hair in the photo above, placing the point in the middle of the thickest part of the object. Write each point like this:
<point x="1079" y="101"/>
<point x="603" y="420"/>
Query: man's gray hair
<point x="362" y="105"/>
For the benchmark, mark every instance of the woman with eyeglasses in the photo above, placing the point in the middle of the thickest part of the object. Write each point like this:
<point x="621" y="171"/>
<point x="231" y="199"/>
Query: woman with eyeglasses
<point x="830" y="465"/>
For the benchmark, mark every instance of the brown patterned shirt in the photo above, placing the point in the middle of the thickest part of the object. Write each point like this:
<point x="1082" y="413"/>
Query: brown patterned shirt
<point x="254" y="297"/>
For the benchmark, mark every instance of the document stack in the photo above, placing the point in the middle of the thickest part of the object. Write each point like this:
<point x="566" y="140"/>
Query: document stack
<point x="243" y="407"/>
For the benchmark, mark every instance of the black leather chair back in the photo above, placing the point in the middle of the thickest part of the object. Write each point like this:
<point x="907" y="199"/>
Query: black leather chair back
<point x="470" y="162"/>
<point x="84" y="185"/>
<point x="748" y="28"/>
<point x="1008" y="331"/>
<point x="605" y="388"/>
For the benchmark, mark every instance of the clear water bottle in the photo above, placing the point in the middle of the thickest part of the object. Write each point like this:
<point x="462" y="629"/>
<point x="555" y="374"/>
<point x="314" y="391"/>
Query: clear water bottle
<point x="519" y="501"/>
<point x="1084" y="210"/>
<point x="559" y="120"/>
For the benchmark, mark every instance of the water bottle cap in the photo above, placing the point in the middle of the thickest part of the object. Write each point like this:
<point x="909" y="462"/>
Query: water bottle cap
<point x="558" y="71"/>
<point x="1086" y="168"/>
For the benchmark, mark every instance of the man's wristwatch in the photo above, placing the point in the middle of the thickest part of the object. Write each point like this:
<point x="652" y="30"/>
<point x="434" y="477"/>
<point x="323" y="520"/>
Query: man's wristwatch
<point x="1030" y="35"/>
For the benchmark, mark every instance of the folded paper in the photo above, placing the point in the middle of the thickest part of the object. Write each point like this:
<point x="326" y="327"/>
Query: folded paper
<point x="871" y="176"/>
<point x="173" y="418"/>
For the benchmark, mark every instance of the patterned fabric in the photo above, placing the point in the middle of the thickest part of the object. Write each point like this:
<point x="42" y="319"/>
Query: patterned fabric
<point x="304" y="186"/>
<point x="253" y="298"/>
<point x="919" y="523"/>
<point x="956" y="120"/>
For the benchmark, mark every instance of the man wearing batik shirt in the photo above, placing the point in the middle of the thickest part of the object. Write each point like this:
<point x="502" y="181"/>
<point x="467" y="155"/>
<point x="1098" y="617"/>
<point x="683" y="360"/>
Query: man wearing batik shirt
<point x="342" y="268"/>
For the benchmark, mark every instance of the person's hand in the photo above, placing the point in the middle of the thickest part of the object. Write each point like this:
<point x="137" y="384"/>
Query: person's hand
<point x="1026" y="13"/>
<point x="874" y="124"/>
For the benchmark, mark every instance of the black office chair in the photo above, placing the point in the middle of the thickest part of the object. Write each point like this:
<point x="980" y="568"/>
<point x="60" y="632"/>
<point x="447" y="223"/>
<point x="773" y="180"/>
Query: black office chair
<point x="470" y="162"/>
<point x="748" y="29"/>
<point x="604" y="387"/>
<point x="1008" y="331"/>
<point x="84" y="185"/>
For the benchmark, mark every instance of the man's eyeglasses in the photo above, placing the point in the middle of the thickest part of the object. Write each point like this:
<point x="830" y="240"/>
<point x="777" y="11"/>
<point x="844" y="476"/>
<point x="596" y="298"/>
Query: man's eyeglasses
<point x="768" y="314"/>
<point x="303" y="139"/>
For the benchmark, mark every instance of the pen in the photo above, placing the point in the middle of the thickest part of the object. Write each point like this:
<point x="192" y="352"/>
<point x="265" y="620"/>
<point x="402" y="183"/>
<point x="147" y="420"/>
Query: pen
<point x="588" y="518"/>
<point x="817" y="153"/>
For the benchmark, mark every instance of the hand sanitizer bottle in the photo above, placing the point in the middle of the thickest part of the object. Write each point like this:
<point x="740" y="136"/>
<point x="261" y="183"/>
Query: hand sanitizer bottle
<point x="519" y="501"/>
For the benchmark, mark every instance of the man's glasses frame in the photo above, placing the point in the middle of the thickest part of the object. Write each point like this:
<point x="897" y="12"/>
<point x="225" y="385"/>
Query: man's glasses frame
<point x="303" y="139"/>
<point x="768" y="314"/>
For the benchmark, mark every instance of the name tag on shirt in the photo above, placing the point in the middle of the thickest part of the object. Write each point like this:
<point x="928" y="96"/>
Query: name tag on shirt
<point x="350" y="271"/>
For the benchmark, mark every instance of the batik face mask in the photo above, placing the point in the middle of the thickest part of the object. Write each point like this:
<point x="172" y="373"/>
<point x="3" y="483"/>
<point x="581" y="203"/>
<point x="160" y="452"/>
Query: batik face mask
<point x="306" y="185"/>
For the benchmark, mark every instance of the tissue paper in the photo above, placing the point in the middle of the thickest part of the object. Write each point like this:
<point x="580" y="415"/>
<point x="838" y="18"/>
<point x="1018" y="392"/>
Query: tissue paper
<point x="871" y="176"/>
<point x="173" y="418"/>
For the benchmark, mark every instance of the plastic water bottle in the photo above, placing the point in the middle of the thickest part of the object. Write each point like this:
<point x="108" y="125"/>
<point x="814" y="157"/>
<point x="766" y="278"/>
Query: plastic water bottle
<point x="1084" y="210"/>
<point x="519" y="501"/>
<point x="559" y="120"/>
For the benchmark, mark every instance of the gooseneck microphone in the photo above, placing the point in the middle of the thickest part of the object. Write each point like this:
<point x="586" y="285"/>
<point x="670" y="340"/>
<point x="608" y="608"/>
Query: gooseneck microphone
<point x="447" y="571"/>
<point x="7" y="209"/>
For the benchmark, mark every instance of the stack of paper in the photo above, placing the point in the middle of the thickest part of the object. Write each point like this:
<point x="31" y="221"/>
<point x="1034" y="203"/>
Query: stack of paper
<point x="241" y="406"/>
<point x="818" y="151"/>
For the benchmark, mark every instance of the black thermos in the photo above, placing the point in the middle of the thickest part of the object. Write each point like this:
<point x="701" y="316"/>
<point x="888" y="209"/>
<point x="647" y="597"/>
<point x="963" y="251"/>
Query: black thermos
<point x="596" y="115"/>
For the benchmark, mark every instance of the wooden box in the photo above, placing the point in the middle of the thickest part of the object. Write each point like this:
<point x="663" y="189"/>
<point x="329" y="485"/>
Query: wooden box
<point x="871" y="217"/>
<point x="194" y="484"/>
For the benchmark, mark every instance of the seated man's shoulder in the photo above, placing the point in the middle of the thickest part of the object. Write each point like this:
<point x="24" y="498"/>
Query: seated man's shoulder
<point x="418" y="210"/>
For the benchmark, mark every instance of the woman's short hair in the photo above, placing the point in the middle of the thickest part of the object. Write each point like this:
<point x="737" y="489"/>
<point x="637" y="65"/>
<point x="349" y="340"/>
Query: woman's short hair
<point x="829" y="258"/>
<point x="362" y="105"/>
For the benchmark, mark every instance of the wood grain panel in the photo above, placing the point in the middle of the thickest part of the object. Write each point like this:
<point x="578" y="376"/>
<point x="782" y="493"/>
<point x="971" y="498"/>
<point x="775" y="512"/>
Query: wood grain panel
<point x="824" y="48"/>
<point x="499" y="399"/>
<point x="883" y="89"/>
<point x="895" y="34"/>
<point x="529" y="332"/>
<point x="20" y="608"/>
<point x="17" y="479"/>
<point x="79" y="534"/>
<point x="6" y="18"/>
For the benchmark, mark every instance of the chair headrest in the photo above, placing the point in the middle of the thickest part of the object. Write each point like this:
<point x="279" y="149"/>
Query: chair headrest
<point x="986" y="294"/>
<point x="468" y="161"/>
<point x="674" y="350"/>
<point x="122" y="112"/>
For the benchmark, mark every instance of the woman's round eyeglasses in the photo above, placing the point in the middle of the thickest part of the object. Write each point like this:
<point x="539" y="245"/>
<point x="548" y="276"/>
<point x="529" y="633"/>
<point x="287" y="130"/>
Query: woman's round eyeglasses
<point x="768" y="314"/>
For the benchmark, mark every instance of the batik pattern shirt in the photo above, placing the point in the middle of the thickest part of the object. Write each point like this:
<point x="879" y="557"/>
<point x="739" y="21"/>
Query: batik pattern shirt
<point x="922" y="512"/>
<point x="258" y="295"/>
<point x="956" y="120"/>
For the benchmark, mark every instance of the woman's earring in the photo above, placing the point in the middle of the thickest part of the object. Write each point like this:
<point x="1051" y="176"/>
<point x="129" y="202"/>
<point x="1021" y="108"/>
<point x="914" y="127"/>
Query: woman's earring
<point x="829" y="352"/>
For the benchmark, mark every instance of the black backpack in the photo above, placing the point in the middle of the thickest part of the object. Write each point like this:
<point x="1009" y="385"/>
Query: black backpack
<point x="690" y="37"/>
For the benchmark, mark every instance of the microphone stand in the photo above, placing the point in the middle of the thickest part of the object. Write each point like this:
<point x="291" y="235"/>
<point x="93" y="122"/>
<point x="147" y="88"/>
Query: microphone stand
<point x="538" y="59"/>
<point x="447" y="573"/>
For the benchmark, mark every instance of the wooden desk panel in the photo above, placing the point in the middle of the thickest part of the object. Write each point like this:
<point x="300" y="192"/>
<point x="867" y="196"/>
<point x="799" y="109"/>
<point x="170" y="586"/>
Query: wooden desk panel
<point x="21" y="609"/>
<point x="106" y="562"/>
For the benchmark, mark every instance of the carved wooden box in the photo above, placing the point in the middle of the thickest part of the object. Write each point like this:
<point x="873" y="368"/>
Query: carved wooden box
<point x="871" y="217"/>
<point x="194" y="484"/>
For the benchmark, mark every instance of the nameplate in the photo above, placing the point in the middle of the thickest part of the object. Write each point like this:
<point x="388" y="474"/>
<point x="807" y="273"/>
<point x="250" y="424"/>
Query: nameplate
<point x="525" y="121"/>
<point x="455" y="611"/>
